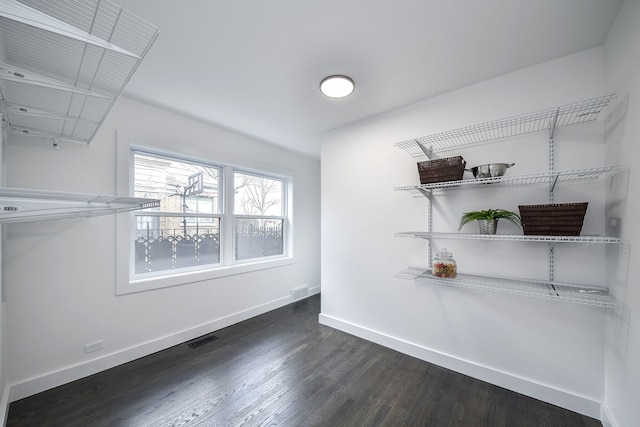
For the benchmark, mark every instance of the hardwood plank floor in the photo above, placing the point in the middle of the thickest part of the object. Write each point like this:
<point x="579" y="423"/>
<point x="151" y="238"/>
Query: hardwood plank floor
<point x="284" y="369"/>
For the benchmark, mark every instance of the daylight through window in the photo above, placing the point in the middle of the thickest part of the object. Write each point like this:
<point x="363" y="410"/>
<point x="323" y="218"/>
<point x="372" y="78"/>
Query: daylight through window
<point x="259" y="216"/>
<point x="192" y="229"/>
<point x="185" y="230"/>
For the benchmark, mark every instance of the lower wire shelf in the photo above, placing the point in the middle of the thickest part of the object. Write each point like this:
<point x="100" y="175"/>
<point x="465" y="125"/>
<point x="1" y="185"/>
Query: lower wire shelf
<point x="26" y="205"/>
<point x="566" y="292"/>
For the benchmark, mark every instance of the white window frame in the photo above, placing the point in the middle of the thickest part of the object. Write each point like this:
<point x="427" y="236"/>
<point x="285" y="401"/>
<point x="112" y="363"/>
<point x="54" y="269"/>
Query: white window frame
<point x="283" y="216"/>
<point x="127" y="282"/>
<point x="166" y="214"/>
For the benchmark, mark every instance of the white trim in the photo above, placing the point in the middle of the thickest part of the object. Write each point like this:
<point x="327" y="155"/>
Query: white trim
<point x="546" y="393"/>
<point x="126" y="284"/>
<point x="185" y="278"/>
<point x="606" y="417"/>
<point x="74" y="372"/>
<point x="4" y="404"/>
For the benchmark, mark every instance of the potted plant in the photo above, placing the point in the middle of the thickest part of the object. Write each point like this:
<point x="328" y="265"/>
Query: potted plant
<point x="488" y="219"/>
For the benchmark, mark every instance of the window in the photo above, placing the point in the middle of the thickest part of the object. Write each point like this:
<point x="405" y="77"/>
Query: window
<point x="185" y="230"/>
<point x="259" y="216"/>
<point x="212" y="219"/>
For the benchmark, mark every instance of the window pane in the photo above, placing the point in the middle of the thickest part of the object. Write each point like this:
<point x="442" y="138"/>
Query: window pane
<point x="257" y="195"/>
<point x="258" y="238"/>
<point x="180" y="185"/>
<point x="165" y="243"/>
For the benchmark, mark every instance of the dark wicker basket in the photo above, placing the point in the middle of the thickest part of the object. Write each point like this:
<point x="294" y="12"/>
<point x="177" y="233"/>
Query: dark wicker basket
<point x="441" y="170"/>
<point x="561" y="219"/>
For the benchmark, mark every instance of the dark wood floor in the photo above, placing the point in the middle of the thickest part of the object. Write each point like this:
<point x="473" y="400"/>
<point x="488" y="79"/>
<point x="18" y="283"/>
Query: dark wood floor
<point x="284" y="369"/>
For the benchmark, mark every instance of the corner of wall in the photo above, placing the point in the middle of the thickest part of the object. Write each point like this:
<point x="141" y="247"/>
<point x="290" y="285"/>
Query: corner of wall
<point x="606" y="417"/>
<point x="4" y="403"/>
<point x="622" y="67"/>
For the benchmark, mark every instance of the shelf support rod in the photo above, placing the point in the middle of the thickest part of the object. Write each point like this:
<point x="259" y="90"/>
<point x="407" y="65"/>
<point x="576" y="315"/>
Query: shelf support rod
<point x="426" y="193"/>
<point x="428" y="151"/>
<point x="551" y="262"/>
<point x="552" y="129"/>
<point x="430" y="229"/>
<point x="552" y="125"/>
<point x="552" y="186"/>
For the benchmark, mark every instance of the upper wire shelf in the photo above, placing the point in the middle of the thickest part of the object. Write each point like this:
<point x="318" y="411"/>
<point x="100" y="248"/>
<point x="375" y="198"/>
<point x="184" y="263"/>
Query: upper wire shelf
<point x="64" y="64"/>
<point x="25" y="205"/>
<point x="558" y="291"/>
<point x="515" y="180"/>
<point x="509" y="237"/>
<point x="578" y="112"/>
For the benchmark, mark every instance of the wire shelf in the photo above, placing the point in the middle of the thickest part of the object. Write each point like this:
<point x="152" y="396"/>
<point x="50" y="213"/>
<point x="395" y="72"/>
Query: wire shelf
<point x="25" y="205"/>
<point x="578" y="112"/>
<point x="517" y="180"/>
<point x="64" y="64"/>
<point x="565" y="292"/>
<point x="510" y="237"/>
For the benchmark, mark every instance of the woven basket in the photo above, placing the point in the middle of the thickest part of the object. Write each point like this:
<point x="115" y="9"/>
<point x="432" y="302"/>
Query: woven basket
<point x="441" y="170"/>
<point x="561" y="219"/>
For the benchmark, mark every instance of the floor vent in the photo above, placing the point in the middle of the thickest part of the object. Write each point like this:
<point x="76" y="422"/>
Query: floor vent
<point x="199" y="342"/>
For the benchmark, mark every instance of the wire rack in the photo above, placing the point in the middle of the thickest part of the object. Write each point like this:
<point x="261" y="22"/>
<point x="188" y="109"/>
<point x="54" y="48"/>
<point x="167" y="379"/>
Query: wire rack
<point x="578" y="112"/>
<point x="63" y="64"/>
<point x="25" y="205"/>
<point x="550" y="178"/>
<point x="565" y="292"/>
<point x="510" y="237"/>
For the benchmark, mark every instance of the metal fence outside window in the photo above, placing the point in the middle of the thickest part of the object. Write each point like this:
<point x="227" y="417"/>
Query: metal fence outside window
<point x="158" y="249"/>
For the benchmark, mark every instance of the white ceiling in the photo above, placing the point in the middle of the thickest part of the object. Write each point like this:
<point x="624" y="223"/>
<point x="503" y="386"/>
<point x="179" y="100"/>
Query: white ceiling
<point x="255" y="66"/>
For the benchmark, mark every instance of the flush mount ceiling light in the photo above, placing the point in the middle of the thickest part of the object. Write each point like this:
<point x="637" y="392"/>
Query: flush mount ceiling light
<point x="336" y="86"/>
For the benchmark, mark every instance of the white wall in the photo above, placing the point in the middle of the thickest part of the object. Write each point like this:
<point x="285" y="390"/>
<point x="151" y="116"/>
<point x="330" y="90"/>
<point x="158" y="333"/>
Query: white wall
<point x="622" y="344"/>
<point x="60" y="275"/>
<point x="546" y="349"/>
<point x="4" y="389"/>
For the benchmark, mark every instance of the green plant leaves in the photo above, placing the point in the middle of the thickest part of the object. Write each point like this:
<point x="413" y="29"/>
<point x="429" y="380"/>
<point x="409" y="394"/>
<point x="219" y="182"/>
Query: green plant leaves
<point x="490" y="214"/>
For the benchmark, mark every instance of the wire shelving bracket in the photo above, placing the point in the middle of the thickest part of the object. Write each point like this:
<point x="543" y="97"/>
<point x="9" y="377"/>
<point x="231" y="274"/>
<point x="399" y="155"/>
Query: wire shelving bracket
<point x="63" y="65"/>
<point x="556" y="291"/>
<point x="549" y="120"/>
<point x="26" y="205"/>
<point x="550" y="178"/>
<point x="542" y="120"/>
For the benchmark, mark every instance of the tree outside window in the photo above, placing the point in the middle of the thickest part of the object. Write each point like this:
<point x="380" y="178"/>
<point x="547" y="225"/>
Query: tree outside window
<point x="259" y="216"/>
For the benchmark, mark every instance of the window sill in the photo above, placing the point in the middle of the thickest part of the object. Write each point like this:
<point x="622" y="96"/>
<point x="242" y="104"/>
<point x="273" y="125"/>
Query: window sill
<point x="184" y="278"/>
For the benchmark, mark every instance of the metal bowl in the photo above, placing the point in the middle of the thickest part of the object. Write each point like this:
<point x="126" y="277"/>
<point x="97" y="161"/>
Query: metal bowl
<point x="490" y="170"/>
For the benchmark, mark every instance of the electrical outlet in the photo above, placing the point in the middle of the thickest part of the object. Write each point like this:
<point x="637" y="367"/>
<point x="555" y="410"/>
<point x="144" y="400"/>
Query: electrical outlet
<point x="94" y="346"/>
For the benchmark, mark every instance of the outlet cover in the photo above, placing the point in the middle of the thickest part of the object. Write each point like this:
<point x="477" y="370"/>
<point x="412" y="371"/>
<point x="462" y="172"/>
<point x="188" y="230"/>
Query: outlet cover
<point x="94" y="346"/>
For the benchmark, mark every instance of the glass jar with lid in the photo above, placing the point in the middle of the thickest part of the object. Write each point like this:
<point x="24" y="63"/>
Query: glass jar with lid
<point x="444" y="265"/>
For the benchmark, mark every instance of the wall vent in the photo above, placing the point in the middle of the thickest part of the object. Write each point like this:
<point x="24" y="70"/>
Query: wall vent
<point x="299" y="293"/>
<point x="200" y="341"/>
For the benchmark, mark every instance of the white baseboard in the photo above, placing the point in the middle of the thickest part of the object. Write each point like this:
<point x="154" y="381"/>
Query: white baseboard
<point x="580" y="404"/>
<point x="606" y="417"/>
<point x="74" y="372"/>
<point x="4" y="405"/>
<point x="314" y="290"/>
